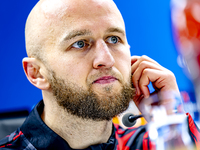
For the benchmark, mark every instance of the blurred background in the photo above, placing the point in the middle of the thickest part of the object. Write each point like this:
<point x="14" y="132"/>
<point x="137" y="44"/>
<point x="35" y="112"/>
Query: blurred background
<point x="149" y="31"/>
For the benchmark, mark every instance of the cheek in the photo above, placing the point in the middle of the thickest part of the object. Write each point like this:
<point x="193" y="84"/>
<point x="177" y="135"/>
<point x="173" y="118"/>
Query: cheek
<point x="76" y="73"/>
<point x="123" y="62"/>
<point x="124" y="67"/>
<point x="70" y="69"/>
<point x="124" y="53"/>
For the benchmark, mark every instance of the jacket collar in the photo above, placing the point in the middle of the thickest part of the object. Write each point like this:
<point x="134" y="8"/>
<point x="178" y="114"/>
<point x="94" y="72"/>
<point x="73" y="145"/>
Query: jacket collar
<point x="42" y="137"/>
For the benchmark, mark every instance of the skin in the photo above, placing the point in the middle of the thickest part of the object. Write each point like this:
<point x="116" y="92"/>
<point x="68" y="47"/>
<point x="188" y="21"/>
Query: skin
<point x="48" y="27"/>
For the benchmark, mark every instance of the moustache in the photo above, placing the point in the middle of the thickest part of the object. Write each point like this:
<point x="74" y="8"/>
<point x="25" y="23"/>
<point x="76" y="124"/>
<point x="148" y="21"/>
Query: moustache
<point x="105" y="73"/>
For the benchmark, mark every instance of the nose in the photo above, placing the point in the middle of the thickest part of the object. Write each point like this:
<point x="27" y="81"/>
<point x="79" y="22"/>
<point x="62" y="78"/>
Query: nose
<point x="103" y="57"/>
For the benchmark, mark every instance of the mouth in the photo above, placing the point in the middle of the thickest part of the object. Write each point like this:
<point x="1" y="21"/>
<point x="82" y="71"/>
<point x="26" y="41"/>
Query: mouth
<point x="105" y="80"/>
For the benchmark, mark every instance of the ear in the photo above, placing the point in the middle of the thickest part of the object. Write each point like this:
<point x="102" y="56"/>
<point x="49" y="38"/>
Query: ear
<point x="34" y="70"/>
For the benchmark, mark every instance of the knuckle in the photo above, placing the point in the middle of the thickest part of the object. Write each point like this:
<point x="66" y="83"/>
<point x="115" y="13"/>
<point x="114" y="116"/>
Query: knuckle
<point x="144" y="57"/>
<point x="171" y="74"/>
<point x="145" y="72"/>
<point x="143" y="64"/>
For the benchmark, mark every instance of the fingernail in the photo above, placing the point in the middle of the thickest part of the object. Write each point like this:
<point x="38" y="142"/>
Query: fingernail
<point x="137" y="91"/>
<point x="146" y="95"/>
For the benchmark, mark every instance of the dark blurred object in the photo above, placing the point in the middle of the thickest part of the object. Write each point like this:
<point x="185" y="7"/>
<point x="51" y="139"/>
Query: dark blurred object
<point x="10" y="121"/>
<point x="130" y="119"/>
<point x="185" y="16"/>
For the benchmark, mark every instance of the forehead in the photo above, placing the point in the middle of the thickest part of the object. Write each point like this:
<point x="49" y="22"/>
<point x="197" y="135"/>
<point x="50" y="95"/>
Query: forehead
<point x="73" y="10"/>
<point x="60" y="7"/>
<point x="63" y="16"/>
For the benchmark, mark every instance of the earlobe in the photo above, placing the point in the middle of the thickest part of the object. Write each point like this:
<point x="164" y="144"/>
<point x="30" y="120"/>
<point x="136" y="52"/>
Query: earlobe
<point x="32" y="68"/>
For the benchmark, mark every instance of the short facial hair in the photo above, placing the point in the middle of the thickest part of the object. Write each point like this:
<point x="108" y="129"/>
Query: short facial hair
<point x="86" y="104"/>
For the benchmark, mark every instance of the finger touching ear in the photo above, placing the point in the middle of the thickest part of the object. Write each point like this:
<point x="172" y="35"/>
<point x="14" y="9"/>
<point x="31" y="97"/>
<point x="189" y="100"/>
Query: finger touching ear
<point x="34" y="70"/>
<point x="134" y="59"/>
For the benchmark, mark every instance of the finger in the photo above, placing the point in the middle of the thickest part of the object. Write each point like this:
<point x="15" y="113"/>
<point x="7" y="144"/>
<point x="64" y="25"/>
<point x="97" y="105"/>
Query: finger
<point x="157" y="77"/>
<point x="143" y="85"/>
<point x="134" y="59"/>
<point x="137" y="99"/>
<point x="138" y="73"/>
<point x="137" y="62"/>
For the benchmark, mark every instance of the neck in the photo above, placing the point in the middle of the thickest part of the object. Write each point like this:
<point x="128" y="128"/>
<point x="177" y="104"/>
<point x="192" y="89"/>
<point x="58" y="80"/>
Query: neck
<point x="79" y="133"/>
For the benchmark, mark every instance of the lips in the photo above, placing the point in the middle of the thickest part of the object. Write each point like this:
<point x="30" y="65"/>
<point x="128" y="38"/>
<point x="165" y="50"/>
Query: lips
<point x="105" y="79"/>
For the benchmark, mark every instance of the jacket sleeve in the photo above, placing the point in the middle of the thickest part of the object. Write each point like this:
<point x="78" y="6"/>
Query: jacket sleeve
<point x="15" y="140"/>
<point x="194" y="131"/>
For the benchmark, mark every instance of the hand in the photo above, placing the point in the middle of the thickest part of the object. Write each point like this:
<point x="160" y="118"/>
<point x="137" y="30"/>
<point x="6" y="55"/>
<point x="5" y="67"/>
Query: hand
<point x="146" y="70"/>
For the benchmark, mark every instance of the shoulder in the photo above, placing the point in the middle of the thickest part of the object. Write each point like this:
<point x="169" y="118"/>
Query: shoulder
<point x="15" y="140"/>
<point x="132" y="138"/>
<point x="193" y="131"/>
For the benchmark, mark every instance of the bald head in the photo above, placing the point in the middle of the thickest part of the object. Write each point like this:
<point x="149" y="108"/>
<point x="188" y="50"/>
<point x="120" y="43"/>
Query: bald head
<point x="49" y="19"/>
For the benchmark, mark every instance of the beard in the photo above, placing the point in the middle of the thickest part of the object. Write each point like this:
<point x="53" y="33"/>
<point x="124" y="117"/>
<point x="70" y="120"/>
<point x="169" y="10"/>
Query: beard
<point x="86" y="104"/>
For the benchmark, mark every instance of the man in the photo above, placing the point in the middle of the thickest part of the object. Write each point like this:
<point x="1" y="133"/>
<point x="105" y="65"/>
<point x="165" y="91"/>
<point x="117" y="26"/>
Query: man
<point x="78" y="55"/>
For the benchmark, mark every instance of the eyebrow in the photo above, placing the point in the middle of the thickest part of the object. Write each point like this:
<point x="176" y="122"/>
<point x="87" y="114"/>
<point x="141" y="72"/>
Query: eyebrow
<point x="76" y="33"/>
<point x="111" y="30"/>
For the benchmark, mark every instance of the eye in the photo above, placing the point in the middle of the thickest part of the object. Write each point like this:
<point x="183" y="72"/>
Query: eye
<point x="79" y="44"/>
<point x="113" y="39"/>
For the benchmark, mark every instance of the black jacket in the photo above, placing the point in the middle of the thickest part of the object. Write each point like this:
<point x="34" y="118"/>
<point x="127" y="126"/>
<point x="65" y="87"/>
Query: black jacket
<point x="35" y="134"/>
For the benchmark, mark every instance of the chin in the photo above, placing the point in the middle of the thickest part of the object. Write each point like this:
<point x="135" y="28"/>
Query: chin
<point x="108" y="91"/>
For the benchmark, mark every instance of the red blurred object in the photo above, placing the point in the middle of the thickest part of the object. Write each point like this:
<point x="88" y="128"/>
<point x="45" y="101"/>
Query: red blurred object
<point x="186" y="23"/>
<point x="185" y="15"/>
<point x="185" y="96"/>
<point x="192" y="20"/>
